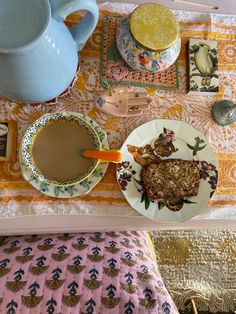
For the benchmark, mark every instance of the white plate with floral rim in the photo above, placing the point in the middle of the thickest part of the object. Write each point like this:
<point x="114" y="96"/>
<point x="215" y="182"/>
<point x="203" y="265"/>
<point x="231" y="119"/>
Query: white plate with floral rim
<point x="162" y="139"/>
<point x="78" y="189"/>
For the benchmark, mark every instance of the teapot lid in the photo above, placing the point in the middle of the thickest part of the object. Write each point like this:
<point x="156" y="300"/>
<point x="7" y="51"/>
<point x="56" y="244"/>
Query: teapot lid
<point x="154" y="26"/>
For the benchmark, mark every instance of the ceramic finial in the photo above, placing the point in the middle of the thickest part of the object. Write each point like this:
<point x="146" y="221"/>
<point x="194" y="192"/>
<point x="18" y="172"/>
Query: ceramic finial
<point x="224" y="112"/>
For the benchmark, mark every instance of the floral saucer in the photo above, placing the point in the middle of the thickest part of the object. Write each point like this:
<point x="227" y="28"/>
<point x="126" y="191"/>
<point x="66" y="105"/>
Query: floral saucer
<point x="161" y="139"/>
<point x="78" y="189"/>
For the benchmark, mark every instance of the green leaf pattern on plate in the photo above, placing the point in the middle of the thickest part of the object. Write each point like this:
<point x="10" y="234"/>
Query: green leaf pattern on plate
<point x="97" y="173"/>
<point x="86" y="184"/>
<point x="161" y="204"/>
<point x="44" y="187"/>
<point x="32" y="178"/>
<point x="58" y="190"/>
<point x="197" y="146"/>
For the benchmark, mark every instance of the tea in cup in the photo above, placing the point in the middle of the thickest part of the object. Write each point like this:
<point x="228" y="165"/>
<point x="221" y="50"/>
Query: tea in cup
<point x="52" y="146"/>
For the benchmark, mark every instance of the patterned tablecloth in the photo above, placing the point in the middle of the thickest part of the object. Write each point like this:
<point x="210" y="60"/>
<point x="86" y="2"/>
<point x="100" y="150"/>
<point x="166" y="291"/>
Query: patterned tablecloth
<point x="19" y="200"/>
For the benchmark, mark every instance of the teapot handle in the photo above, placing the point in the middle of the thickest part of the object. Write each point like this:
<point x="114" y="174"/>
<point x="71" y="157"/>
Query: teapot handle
<point x="80" y="32"/>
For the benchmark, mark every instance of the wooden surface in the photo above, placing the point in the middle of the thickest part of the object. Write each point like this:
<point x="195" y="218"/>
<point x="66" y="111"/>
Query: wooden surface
<point x="56" y="224"/>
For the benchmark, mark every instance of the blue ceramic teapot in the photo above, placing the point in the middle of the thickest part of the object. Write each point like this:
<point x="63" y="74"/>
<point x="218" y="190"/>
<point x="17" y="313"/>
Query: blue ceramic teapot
<point x="38" y="53"/>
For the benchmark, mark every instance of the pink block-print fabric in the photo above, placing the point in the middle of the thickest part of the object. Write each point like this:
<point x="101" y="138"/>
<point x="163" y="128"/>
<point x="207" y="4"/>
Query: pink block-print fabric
<point x="107" y="273"/>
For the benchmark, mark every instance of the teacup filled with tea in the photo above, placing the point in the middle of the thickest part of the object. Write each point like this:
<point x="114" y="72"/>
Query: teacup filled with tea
<point x="52" y="146"/>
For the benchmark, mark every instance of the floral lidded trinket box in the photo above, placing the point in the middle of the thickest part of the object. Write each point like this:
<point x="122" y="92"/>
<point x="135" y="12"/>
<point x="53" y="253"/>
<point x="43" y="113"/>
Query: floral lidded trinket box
<point x="148" y="39"/>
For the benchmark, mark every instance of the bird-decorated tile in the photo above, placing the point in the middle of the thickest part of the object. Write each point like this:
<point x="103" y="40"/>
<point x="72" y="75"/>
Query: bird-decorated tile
<point x="203" y="67"/>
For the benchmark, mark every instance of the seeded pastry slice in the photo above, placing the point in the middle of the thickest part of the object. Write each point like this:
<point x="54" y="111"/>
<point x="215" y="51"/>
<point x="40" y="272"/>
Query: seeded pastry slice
<point x="170" y="179"/>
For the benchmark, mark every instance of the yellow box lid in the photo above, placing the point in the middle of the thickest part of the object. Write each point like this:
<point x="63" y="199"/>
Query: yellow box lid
<point x="154" y="26"/>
